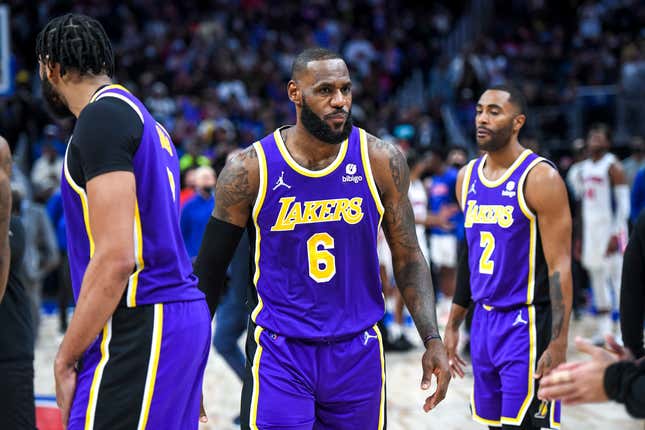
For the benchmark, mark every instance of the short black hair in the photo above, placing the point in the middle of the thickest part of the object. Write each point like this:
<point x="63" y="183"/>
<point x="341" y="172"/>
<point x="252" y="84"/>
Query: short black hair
<point x="516" y="96"/>
<point x="311" y="54"/>
<point x="76" y="42"/>
<point x="601" y="127"/>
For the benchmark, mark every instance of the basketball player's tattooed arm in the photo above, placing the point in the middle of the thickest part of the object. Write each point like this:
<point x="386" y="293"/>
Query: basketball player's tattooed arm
<point x="410" y="267"/>
<point x="5" y="213"/>
<point x="235" y="193"/>
<point x="237" y="188"/>
<point x="546" y="195"/>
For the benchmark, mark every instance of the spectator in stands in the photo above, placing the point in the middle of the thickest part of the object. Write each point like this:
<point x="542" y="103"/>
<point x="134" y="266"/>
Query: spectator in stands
<point x="445" y="221"/>
<point x="50" y="136"/>
<point x="41" y="250"/>
<point x="457" y="157"/>
<point x="193" y="157"/>
<point x="197" y="211"/>
<point x="632" y="81"/>
<point x="46" y="172"/>
<point x="64" y="294"/>
<point x="161" y="106"/>
<point x="636" y="160"/>
<point x="188" y="186"/>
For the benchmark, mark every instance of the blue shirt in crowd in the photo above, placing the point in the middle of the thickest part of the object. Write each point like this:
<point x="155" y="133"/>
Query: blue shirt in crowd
<point x="442" y="192"/>
<point x="194" y="217"/>
<point x="638" y="195"/>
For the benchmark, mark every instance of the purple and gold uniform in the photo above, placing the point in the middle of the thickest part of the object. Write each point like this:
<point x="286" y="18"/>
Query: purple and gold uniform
<point x="315" y="356"/>
<point x="145" y="369"/>
<point x="509" y="283"/>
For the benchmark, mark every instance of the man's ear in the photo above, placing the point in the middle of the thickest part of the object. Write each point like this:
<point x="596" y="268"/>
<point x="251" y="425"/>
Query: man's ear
<point x="518" y="122"/>
<point x="294" y="93"/>
<point x="52" y="71"/>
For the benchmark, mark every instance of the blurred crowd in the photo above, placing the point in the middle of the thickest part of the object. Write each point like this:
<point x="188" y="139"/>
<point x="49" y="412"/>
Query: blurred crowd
<point x="214" y="73"/>
<point x="552" y="50"/>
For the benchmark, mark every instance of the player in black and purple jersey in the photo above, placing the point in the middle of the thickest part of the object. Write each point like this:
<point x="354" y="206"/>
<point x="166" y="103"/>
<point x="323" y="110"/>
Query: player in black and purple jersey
<point x="134" y="354"/>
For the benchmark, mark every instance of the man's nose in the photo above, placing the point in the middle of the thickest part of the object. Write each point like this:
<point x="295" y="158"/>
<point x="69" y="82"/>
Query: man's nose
<point x="339" y="99"/>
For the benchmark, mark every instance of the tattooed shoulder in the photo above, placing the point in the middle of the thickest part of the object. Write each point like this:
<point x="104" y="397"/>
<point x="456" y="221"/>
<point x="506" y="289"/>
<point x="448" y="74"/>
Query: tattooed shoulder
<point x="237" y="185"/>
<point x="390" y="160"/>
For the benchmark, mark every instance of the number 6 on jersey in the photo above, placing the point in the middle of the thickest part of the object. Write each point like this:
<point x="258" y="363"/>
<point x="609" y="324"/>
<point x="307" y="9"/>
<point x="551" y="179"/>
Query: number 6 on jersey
<point x="322" y="263"/>
<point x="486" y="241"/>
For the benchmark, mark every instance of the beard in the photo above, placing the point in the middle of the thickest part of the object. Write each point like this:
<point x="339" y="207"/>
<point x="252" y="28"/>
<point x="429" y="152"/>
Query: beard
<point x="53" y="101"/>
<point x="497" y="139"/>
<point x="320" y="129"/>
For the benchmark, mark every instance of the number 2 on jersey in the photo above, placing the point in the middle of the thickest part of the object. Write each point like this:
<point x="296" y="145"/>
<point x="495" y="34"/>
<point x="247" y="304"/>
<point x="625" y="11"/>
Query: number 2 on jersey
<point x="322" y="263"/>
<point x="486" y="241"/>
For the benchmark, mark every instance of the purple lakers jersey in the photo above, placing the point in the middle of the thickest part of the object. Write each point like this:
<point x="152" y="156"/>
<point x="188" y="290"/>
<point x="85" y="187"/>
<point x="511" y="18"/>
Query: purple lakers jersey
<point x="162" y="272"/>
<point x="507" y="266"/>
<point x="316" y="266"/>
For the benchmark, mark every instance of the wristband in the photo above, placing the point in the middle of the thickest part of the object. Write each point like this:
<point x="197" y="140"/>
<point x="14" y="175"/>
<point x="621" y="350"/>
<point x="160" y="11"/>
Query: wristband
<point x="430" y="337"/>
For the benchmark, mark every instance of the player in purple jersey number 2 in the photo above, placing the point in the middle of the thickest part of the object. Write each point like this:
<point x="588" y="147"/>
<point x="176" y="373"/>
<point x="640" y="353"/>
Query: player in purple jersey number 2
<point x="518" y="229"/>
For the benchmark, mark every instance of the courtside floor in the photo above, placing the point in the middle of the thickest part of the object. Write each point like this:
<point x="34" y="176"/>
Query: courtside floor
<point x="404" y="398"/>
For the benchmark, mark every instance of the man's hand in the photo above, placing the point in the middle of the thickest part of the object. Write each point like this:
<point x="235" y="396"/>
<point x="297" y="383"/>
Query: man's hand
<point x="554" y="355"/>
<point x="620" y="351"/>
<point x="203" y="418"/>
<point x="435" y="361"/>
<point x="442" y="218"/>
<point x="65" y="376"/>
<point x="451" y="341"/>
<point x="579" y="382"/>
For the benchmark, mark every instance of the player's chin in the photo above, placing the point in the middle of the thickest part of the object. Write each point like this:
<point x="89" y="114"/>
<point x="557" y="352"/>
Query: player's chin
<point x="486" y="144"/>
<point x="483" y="142"/>
<point x="337" y="124"/>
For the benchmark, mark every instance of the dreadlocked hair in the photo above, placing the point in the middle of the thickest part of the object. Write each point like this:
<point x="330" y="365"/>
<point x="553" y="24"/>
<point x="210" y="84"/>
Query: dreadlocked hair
<point x="76" y="42"/>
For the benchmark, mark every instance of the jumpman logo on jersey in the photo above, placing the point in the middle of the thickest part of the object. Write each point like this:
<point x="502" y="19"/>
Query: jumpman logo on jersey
<point x="472" y="188"/>
<point x="519" y="320"/>
<point x="367" y="337"/>
<point x="280" y="182"/>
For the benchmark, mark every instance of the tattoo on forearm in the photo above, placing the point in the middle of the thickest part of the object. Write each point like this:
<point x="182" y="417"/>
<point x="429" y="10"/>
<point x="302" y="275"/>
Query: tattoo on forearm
<point x="557" y="305"/>
<point x="233" y="186"/>
<point x="413" y="280"/>
<point x="397" y="167"/>
<point x="399" y="225"/>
